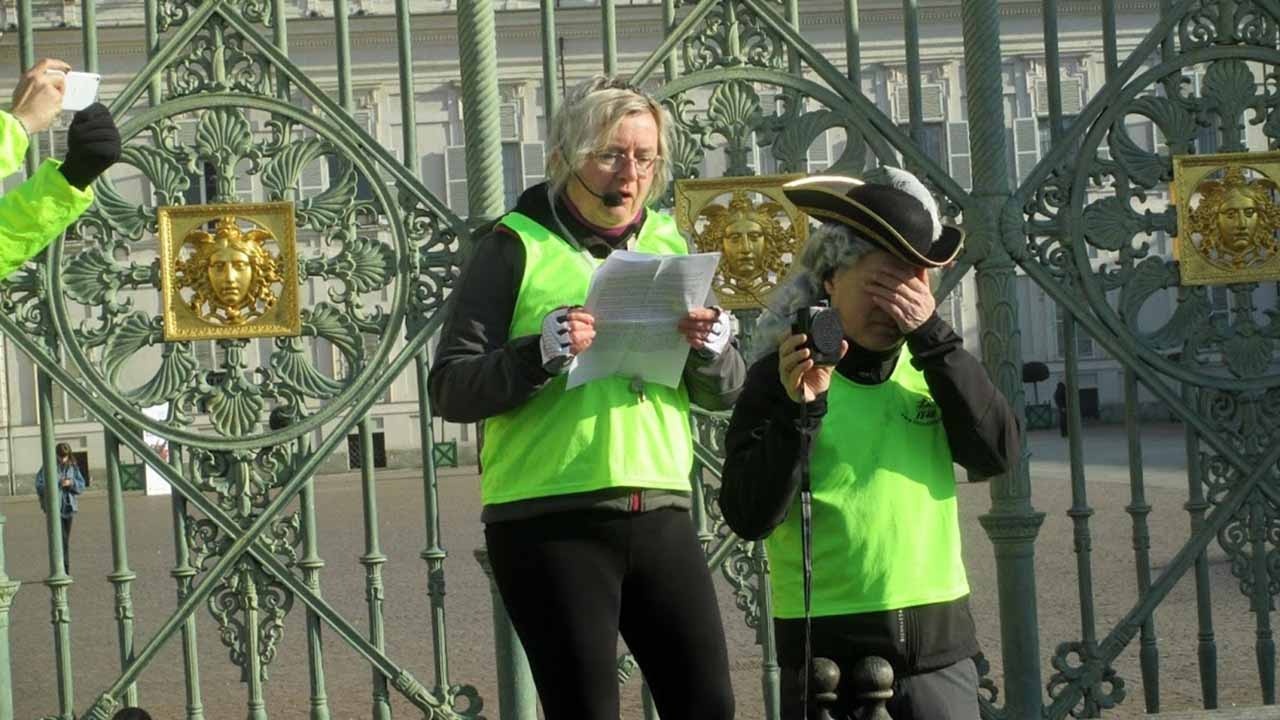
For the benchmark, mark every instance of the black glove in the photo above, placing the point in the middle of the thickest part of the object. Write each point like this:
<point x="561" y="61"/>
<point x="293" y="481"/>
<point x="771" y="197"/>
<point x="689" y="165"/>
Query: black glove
<point x="93" y="145"/>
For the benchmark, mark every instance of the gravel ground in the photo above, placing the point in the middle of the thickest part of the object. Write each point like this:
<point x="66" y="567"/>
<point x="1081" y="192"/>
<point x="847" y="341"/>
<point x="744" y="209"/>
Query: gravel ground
<point x="470" y="629"/>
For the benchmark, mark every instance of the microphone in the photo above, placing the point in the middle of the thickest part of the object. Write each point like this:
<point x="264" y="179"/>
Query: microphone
<point x="611" y="199"/>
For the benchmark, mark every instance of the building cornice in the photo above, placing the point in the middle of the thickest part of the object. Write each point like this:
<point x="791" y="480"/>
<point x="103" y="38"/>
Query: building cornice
<point x="643" y="21"/>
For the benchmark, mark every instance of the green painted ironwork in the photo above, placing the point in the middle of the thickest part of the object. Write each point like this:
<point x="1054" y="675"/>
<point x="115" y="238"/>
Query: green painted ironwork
<point x="609" y="35"/>
<point x="1012" y="523"/>
<point x="8" y="589"/>
<point x="1139" y="509"/>
<point x="237" y="552"/>
<point x="59" y="581"/>
<point x="121" y="576"/>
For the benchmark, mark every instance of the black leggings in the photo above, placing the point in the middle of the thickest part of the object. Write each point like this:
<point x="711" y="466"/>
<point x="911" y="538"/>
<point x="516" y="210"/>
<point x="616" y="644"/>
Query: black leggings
<point x="572" y="581"/>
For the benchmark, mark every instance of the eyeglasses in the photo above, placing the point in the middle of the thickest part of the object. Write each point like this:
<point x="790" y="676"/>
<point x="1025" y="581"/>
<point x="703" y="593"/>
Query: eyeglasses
<point x="615" y="161"/>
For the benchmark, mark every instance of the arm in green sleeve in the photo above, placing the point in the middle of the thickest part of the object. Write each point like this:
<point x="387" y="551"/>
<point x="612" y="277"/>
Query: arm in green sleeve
<point x="36" y="212"/>
<point x="13" y="144"/>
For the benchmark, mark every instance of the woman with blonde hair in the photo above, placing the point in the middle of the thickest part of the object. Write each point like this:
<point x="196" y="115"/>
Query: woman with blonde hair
<point x="586" y="490"/>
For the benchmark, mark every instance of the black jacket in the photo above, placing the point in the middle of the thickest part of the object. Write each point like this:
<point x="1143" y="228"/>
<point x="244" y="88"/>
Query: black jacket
<point x="762" y="477"/>
<point x="480" y="372"/>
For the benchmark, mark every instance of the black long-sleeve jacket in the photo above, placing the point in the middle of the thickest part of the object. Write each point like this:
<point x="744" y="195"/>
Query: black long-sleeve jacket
<point x="762" y="478"/>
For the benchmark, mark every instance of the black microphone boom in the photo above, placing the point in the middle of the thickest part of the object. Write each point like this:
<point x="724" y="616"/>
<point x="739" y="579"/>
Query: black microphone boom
<point x="611" y="199"/>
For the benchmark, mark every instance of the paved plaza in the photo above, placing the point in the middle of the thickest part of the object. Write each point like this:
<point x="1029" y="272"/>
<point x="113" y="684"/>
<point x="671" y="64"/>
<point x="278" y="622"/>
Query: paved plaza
<point x="470" y="631"/>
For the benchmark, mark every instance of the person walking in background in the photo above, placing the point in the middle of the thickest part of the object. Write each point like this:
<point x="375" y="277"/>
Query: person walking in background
<point x="70" y="485"/>
<point x="1060" y="400"/>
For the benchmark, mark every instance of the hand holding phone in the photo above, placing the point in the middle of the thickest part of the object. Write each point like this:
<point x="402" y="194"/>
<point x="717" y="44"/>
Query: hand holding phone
<point x="38" y="97"/>
<point x="80" y="89"/>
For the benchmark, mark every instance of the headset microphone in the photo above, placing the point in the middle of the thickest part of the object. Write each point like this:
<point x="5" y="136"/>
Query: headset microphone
<point x="611" y="199"/>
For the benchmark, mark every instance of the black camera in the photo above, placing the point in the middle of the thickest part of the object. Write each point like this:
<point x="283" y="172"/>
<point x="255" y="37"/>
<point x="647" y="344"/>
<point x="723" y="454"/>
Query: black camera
<point x="824" y="333"/>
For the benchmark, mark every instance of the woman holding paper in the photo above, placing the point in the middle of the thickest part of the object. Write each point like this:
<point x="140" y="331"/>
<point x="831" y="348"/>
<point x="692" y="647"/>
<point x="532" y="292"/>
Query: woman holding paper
<point x="586" y="490"/>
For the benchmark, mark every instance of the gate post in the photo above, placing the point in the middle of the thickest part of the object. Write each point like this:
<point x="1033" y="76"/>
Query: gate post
<point x="1012" y="523"/>
<point x="517" y="699"/>
<point x="478" y="48"/>
<point x="8" y="588"/>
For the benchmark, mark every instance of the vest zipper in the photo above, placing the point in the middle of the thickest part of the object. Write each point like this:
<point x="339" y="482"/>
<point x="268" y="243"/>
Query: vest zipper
<point x="635" y="501"/>
<point x="902" y="630"/>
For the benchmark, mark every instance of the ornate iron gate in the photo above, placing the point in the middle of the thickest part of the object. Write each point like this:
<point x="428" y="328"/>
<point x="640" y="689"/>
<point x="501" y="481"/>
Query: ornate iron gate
<point x="219" y="98"/>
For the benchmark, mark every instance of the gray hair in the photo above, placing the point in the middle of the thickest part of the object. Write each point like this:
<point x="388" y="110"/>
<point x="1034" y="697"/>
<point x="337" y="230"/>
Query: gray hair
<point x="832" y="248"/>
<point x="591" y="113"/>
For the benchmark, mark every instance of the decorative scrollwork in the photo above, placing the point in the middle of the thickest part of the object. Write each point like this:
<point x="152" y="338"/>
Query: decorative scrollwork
<point x="232" y="387"/>
<point x="988" y="692"/>
<point x="219" y="59"/>
<point x="743" y="570"/>
<point x="251" y="600"/>
<point x="1077" y="665"/>
<point x="627" y="668"/>
<point x="446" y="708"/>
<point x="1093" y="219"/>
<point x="732" y="36"/>
<point x="1227" y="22"/>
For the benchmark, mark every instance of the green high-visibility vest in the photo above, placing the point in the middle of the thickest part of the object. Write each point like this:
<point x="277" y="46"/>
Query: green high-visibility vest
<point x="37" y="211"/>
<point x="886" y="534"/>
<point x="598" y="435"/>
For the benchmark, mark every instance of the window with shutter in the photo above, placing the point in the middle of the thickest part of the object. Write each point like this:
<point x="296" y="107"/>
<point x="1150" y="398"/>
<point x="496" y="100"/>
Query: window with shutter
<point x="1026" y="145"/>
<point x="533" y="162"/>
<point x="1072" y="96"/>
<point x="901" y="104"/>
<point x="819" y="154"/>
<point x="932" y="104"/>
<point x="958" y="147"/>
<point x="512" y="173"/>
<point x="455" y="168"/>
<point x="509" y="121"/>
<point x="314" y="178"/>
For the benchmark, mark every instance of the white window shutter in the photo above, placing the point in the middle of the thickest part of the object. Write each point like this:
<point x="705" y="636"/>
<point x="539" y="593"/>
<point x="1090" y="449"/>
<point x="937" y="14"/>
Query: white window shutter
<point x="932" y="104"/>
<point x="1026" y="144"/>
<point x="958" y="145"/>
<point x="819" y="154"/>
<point x="187" y="133"/>
<point x="509" y="120"/>
<point x="901" y="104"/>
<point x="1072" y="95"/>
<point x="314" y="178"/>
<point x="769" y="104"/>
<point x="364" y="118"/>
<point x="534" y="163"/>
<point x="1042" y="97"/>
<point x="244" y="188"/>
<point x="455" y="169"/>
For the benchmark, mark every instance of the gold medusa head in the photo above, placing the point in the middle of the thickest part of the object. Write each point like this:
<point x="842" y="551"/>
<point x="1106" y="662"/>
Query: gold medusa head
<point x="1234" y="226"/>
<point x="231" y="272"/>
<point x="752" y="241"/>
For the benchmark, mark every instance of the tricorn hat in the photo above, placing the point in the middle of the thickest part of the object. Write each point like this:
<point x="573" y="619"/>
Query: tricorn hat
<point x="897" y="214"/>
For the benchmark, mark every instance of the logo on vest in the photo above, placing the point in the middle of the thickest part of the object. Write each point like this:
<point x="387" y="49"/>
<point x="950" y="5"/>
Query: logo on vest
<point x="925" y="412"/>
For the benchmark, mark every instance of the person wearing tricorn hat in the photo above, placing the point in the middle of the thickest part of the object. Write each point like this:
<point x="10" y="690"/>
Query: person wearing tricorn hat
<point x="860" y="451"/>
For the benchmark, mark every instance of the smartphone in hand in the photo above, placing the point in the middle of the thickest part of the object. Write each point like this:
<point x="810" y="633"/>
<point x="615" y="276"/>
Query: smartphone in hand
<point x="80" y="89"/>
